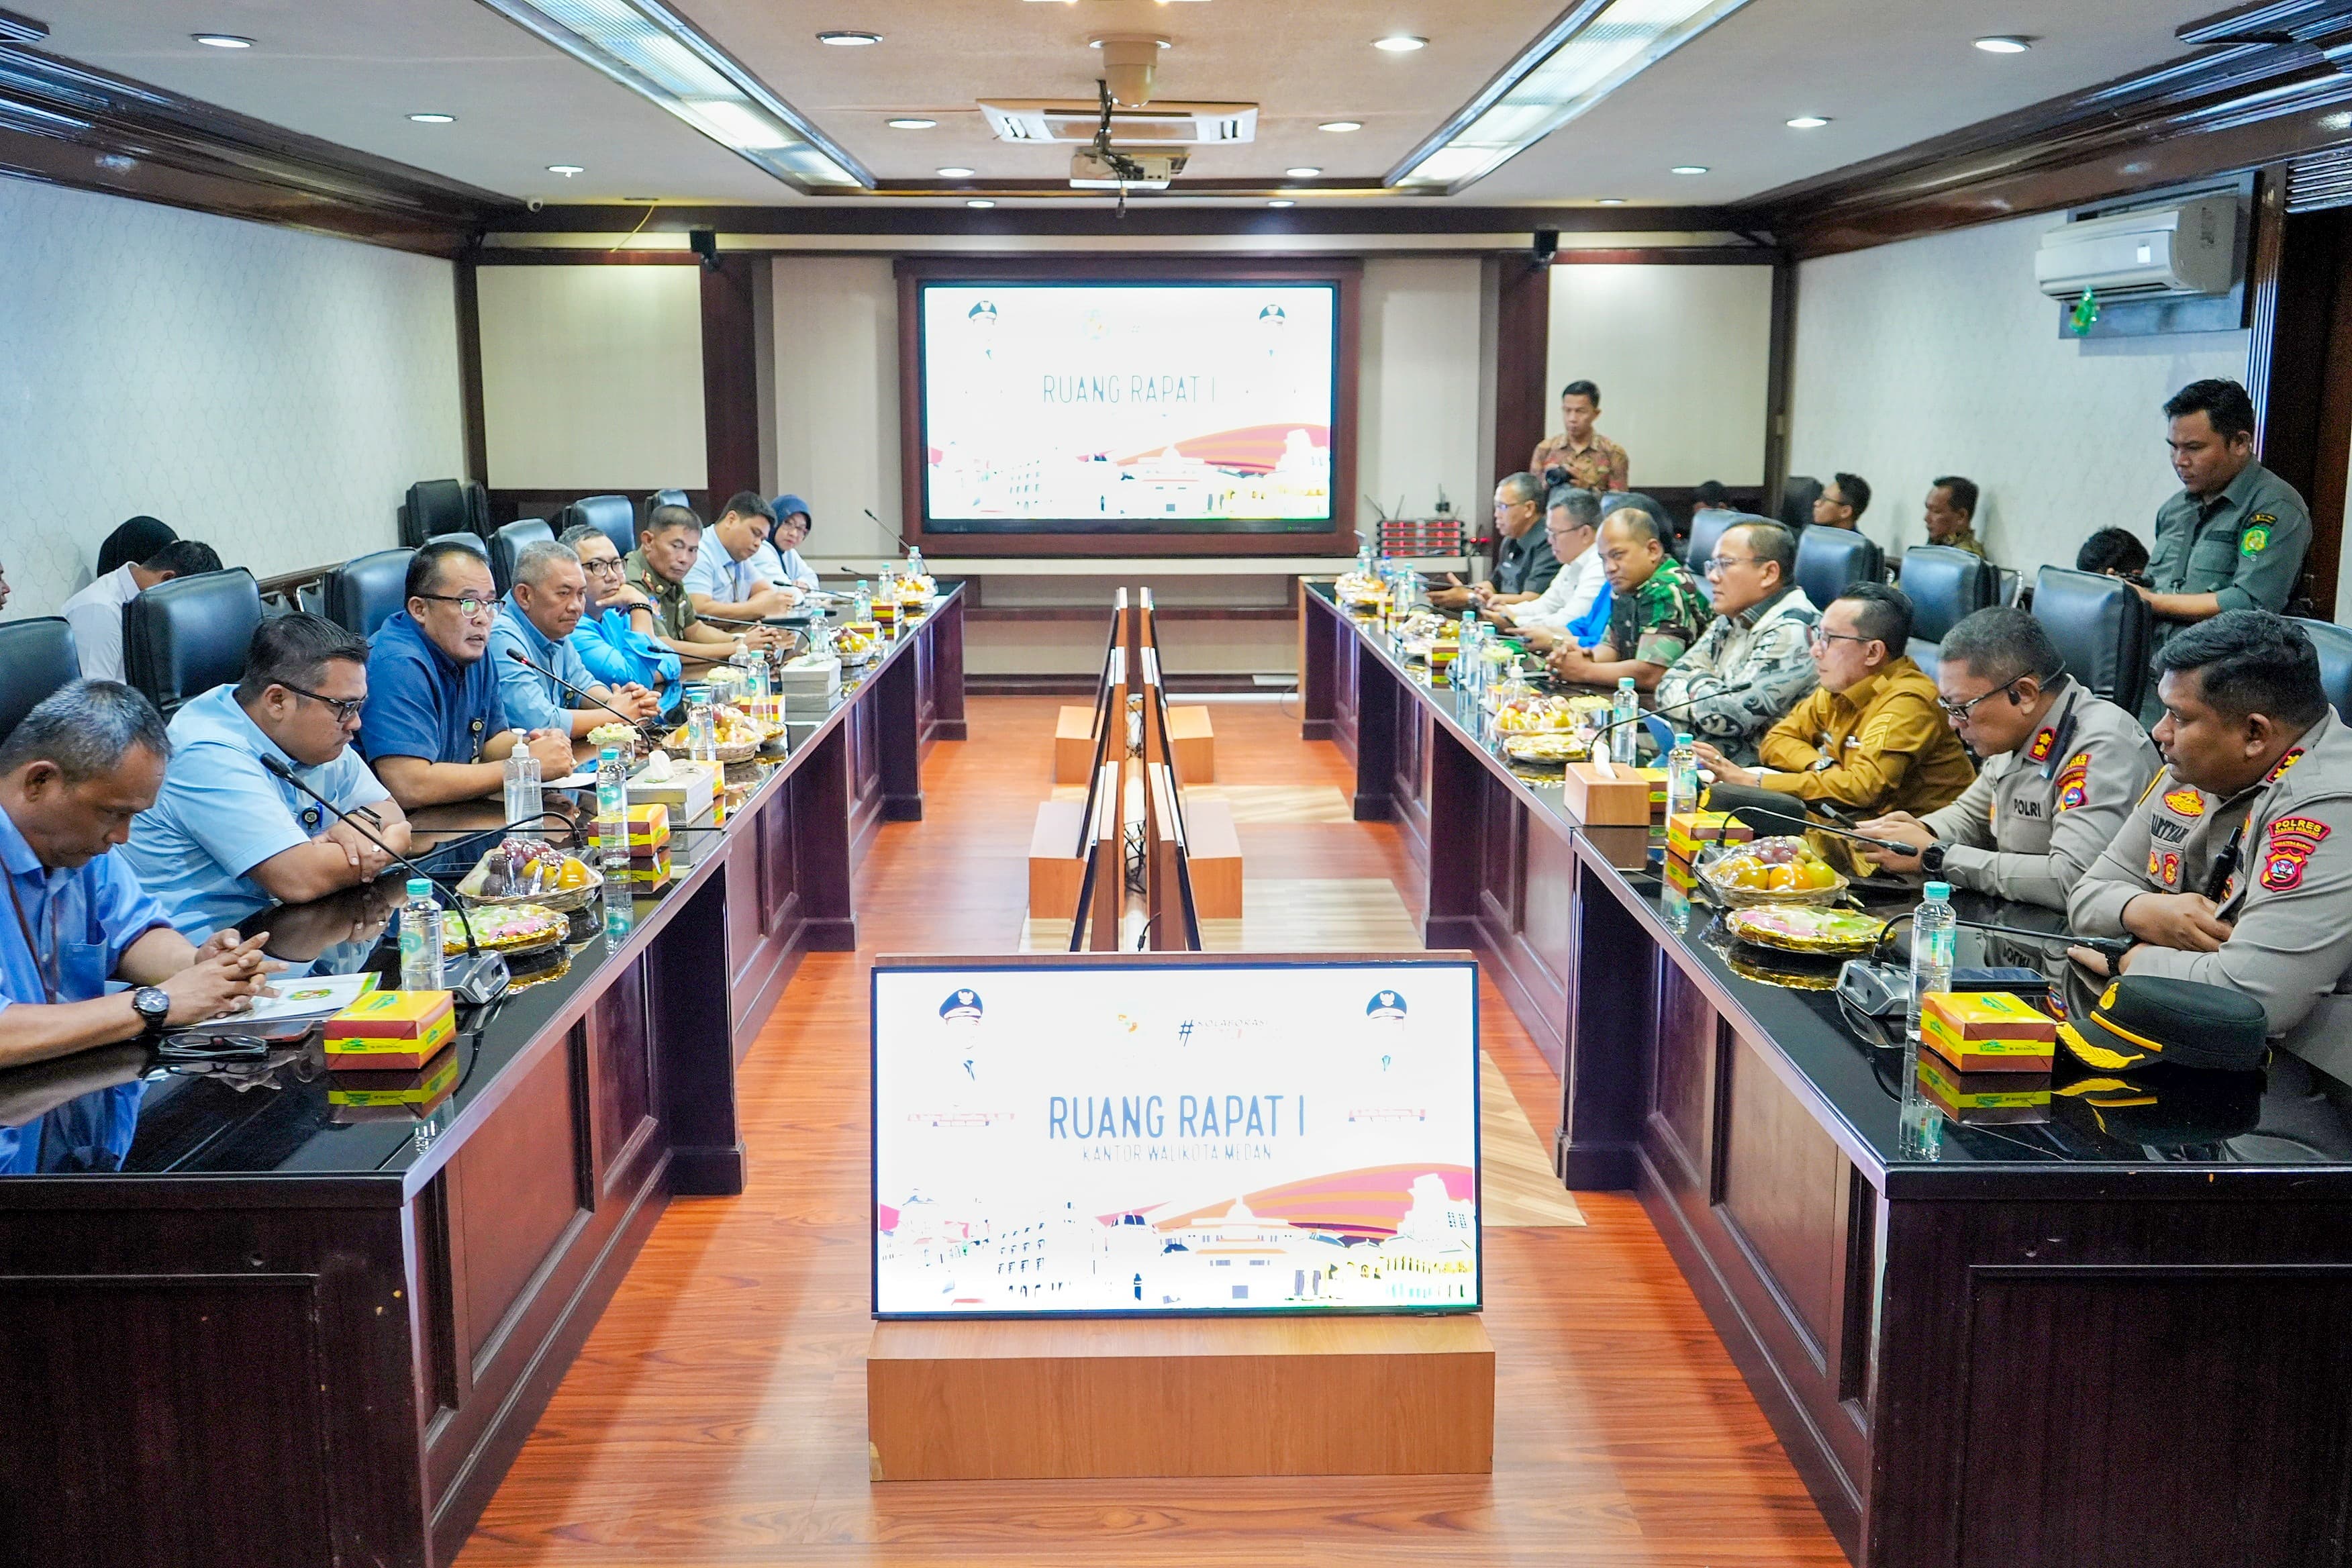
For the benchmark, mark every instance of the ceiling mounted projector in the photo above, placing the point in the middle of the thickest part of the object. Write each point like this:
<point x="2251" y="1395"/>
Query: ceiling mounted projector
<point x="1090" y="171"/>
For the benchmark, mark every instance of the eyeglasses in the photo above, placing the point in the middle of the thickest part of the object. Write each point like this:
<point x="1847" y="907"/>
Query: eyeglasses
<point x="1717" y="564"/>
<point x="1960" y="711"/>
<point x="468" y="605"/>
<point x="601" y="564"/>
<point x="1818" y="635"/>
<point x="346" y="708"/>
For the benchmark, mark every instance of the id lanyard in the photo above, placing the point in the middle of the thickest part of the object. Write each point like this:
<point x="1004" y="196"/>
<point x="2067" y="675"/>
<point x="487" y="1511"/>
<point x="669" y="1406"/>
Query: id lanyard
<point x="50" y="984"/>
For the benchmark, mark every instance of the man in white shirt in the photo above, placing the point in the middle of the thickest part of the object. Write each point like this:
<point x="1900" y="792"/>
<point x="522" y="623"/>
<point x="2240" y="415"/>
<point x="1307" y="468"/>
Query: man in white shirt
<point x="1572" y="525"/>
<point x="96" y="613"/>
<point x="735" y="577"/>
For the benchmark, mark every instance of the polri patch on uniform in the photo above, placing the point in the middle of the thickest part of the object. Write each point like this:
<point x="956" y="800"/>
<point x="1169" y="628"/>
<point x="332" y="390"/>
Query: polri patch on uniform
<point x="2073" y="781"/>
<point x="2184" y="802"/>
<point x="2293" y="842"/>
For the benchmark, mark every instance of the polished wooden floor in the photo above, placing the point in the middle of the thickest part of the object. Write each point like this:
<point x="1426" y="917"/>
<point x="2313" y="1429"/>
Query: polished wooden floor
<point x="717" y="1413"/>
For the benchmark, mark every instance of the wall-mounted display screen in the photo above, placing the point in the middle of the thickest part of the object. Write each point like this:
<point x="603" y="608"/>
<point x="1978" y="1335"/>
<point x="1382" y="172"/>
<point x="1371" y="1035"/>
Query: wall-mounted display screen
<point x="1124" y="1138"/>
<point x="1143" y="406"/>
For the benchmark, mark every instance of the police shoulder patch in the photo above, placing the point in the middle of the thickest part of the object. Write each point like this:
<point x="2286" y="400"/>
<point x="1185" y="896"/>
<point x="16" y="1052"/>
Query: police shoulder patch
<point x="2073" y="781"/>
<point x="2184" y="802"/>
<point x="2292" y="843"/>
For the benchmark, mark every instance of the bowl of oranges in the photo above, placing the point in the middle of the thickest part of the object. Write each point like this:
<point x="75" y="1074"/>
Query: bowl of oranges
<point x="1782" y="870"/>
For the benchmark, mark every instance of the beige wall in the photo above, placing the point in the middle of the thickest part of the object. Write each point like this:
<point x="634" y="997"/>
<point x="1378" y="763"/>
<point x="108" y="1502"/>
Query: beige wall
<point x="1681" y="355"/>
<point x="592" y="377"/>
<point x="1938" y="356"/>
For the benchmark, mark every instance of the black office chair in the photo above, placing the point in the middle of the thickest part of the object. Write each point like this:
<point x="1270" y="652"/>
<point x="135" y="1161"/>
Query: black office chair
<point x="1708" y="529"/>
<point x="612" y="516"/>
<point x="1797" y="498"/>
<point x="443" y="506"/>
<point x="508" y="544"/>
<point x="473" y="542"/>
<point x="184" y="636"/>
<point x="2101" y="629"/>
<point x="1945" y="587"/>
<point x="363" y="592"/>
<point x="665" y="498"/>
<point x="1830" y="559"/>
<point x="2334" y="646"/>
<point x="36" y="656"/>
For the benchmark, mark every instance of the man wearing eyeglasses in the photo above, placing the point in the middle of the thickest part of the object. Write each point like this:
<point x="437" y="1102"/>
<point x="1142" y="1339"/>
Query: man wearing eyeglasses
<point x="1754" y="662"/>
<point x="618" y="636"/>
<point x="227" y="837"/>
<point x="536" y="620"/>
<point x="1870" y="740"/>
<point x="1573" y="528"/>
<point x="434" y="726"/>
<point x="2062" y="769"/>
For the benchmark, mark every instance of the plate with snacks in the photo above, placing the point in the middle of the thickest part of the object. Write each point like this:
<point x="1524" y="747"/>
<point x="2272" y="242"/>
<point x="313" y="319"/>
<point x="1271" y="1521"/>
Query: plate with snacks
<point x="1782" y="870"/>
<point x="739" y="739"/>
<point x="504" y="928"/>
<point x="1799" y="927"/>
<point x="518" y="870"/>
<point x="1535" y="715"/>
<point x="1360" y="588"/>
<point x="625" y="736"/>
<point x="1552" y="748"/>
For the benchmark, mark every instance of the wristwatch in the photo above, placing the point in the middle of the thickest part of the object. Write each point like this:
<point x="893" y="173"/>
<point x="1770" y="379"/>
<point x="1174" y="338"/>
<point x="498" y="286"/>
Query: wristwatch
<point x="153" y="1004"/>
<point x="1931" y="858"/>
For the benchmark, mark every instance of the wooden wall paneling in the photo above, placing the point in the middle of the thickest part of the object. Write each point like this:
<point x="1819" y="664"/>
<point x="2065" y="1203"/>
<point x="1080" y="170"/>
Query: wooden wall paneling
<point x="883" y="222"/>
<point x="731" y="377"/>
<point x="1779" y="377"/>
<point x="1377" y="699"/>
<point x="687" y="973"/>
<point x="463" y="275"/>
<point x="621" y="1053"/>
<point x="762" y="943"/>
<point x="1409" y="792"/>
<point x="1547" y="933"/>
<point x="1783" y="1193"/>
<point x="1682" y="1073"/>
<point x="1522" y="344"/>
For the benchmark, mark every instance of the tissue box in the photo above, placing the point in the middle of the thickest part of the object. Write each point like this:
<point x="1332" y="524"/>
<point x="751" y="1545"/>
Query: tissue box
<point x="388" y="1029"/>
<point x="1987" y="1031"/>
<point x="687" y="792"/>
<point x="1595" y="799"/>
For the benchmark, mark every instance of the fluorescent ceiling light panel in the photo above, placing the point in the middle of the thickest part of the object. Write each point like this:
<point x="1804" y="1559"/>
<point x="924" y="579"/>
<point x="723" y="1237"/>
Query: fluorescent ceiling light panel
<point x="1590" y="51"/>
<point x="656" y="54"/>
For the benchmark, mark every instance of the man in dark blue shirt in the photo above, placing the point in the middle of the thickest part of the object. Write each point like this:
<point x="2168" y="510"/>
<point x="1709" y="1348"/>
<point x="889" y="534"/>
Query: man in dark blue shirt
<point x="434" y="728"/>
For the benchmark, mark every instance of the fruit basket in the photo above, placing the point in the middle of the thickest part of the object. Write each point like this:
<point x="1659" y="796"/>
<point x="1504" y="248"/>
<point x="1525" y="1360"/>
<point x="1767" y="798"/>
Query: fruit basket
<point x="1799" y="927"/>
<point x="504" y="928"/>
<point x="1782" y="870"/>
<point x="534" y="874"/>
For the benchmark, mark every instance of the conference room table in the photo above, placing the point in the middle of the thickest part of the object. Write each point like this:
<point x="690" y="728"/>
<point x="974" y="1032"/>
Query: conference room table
<point x="2104" y="1326"/>
<point x="270" y="1313"/>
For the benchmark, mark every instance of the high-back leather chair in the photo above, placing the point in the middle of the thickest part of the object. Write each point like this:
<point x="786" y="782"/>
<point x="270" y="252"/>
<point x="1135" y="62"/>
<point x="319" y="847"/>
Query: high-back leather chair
<point x="665" y="498"/>
<point x="1797" y="498"/>
<point x="443" y="506"/>
<point x="36" y="656"/>
<point x="184" y="636"/>
<point x="2101" y="629"/>
<point x="612" y="516"/>
<point x="1830" y="559"/>
<point x="509" y="542"/>
<point x="2334" y="646"/>
<point x="473" y="542"/>
<point x="1945" y="586"/>
<point x="1708" y="529"/>
<point x="363" y="592"/>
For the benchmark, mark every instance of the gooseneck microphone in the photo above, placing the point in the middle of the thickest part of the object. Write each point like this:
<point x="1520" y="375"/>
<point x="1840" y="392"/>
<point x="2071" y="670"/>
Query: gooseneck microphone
<point x="1669" y="707"/>
<point x="483" y="976"/>
<point x="516" y="654"/>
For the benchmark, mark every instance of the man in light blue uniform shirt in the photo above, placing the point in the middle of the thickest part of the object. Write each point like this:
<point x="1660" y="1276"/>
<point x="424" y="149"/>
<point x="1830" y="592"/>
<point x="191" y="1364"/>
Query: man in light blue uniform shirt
<point x="793" y="523"/>
<point x="735" y="576"/>
<point x="227" y="837"/>
<point x="536" y="620"/>
<point x="73" y="775"/>
<point x="617" y="634"/>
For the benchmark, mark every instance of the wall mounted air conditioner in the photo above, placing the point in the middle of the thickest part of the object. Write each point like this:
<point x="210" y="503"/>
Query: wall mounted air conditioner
<point x="2186" y="248"/>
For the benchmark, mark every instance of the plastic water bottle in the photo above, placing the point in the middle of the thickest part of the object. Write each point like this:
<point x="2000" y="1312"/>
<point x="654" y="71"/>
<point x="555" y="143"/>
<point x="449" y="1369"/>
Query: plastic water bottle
<point x="1469" y="658"/>
<point x="701" y="725"/>
<point x="420" y="937"/>
<point x="1364" y="562"/>
<point x="915" y="561"/>
<point x="1682" y="776"/>
<point x="861" y="603"/>
<point x="1626" y="713"/>
<point x="522" y="788"/>
<point x="613" y="814"/>
<point x="1935" y="931"/>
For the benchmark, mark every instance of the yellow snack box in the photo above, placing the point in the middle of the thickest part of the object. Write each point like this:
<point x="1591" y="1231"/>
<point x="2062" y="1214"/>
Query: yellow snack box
<point x="1679" y="875"/>
<point x="1976" y="1100"/>
<point x="390" y="1029"/>
<point x="1987" y="1031"/>
<point x="1686" y="830"/>
<point x="370" y="1096"/>
<point x="648" y="826"/>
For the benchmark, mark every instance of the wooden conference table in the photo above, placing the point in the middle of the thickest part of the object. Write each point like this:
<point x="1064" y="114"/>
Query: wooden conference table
<point x="2119" y="1334"/>
<point x="291" y="1331"/>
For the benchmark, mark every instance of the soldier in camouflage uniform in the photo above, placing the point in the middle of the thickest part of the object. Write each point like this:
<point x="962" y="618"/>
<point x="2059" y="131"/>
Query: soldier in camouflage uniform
<point x="1657" y="612"/>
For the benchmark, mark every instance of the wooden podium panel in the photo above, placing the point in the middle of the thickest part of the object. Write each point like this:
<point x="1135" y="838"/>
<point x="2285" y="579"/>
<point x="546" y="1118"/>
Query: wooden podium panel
<point x="1192" y="742"/>
<point x="1181" y="1396"/>
<point x="1214" y="849"/>
<point x="1056" y="870"/>
<point x="1074" y="744"/>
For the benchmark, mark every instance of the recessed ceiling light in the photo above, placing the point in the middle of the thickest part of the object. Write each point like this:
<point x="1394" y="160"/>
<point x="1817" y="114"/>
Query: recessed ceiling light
<point x="910" y="122"/>
<point x="955" y="172"/>
<point x="1612" y="201"/>
<point x="1689" y="169"/>
<point x="1342" y="125"/>
<point x="434" y="119"/>
<point x="849" y="40"/>
<point x="2005" y="44"/>
<point x="1281" y="204"/>
<point x="981" y="201"/>
<point x="1100" y="39"/>
<point x="1809" y="122"/>
<point x="1399" y="43"/>
<point x="1303" y="172"/>
<point x="566" y="170"/>
<point x="222" y="40"/>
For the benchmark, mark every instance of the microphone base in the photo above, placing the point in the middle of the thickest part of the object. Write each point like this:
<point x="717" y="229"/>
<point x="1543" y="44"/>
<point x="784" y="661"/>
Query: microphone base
<point x="476" y="978"/>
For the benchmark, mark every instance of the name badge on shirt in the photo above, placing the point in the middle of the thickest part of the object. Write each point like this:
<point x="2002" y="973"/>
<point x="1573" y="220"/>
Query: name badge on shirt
<point x="311" y="817"/>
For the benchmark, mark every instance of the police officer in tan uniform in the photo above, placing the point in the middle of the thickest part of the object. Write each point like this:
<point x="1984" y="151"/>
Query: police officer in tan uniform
<point x="2063" y="768"/>
<point x="2236" y="867"/>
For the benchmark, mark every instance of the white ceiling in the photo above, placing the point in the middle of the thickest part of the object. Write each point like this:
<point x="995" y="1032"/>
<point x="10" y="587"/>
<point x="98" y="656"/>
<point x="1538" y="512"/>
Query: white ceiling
<point x="1887" y="72"/>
